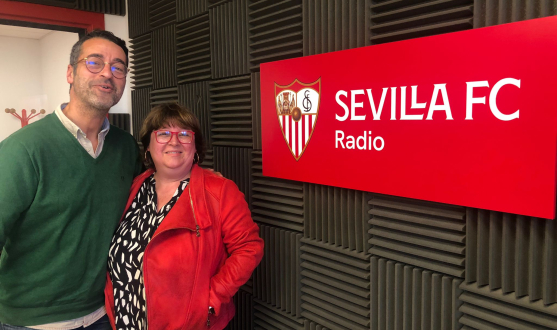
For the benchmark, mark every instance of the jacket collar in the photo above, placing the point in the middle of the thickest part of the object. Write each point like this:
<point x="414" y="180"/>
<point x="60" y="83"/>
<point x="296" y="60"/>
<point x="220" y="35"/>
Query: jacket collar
<point x="181" y="215"/>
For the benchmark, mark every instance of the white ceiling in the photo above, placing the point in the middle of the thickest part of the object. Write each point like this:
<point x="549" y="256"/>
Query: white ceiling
<point x="22" y="32"/>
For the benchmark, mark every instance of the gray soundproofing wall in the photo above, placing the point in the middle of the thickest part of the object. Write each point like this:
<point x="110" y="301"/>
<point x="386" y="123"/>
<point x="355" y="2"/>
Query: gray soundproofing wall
<point x="336" y="258"/>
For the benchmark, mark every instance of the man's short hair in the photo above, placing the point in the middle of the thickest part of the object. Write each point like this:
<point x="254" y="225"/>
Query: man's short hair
<point x="107" y="35"/>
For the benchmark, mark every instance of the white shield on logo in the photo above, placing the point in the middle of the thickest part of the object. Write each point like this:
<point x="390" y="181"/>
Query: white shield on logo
<point x="297" y="111"/>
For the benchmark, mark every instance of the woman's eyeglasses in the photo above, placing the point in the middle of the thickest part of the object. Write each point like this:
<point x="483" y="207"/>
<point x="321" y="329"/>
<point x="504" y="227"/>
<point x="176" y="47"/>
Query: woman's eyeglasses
<point x="163" y="136"/>
<point x="96" y="65"/>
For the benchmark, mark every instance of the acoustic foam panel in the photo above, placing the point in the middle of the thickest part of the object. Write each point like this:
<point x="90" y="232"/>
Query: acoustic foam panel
<point x="275" y="31"/>
<point x="141" y="62"/>
<point x="335" y="287"/>
<point x="234" y="164"/>
<point x="138" y="17"/>
<point x="276" y="202"/>
<point x="229" y="38"/>
<point x="408" y="297"/>
<point x="186" y="9"/>
<point x="195" y="97"/>
<point x="243" y="320"/>
<point x="141" y="107"/>
<point x="56" y="3"/>
<point x="193" y="50"/>
<point x="269" y="318"/>
<point x="112" y="7"/>
<point x="213" y="3"/>
<point x="164" y="95"/>
<point x="161" y="12"/>
<point x="230" y="102"/>
<point x="486" y="309"/>
<point x="163" y="50"/>
<point x="513" y="253"/>
<point x="493" y="12"/>
<point x="120" y="120"/>
<point x="424" y="234"/>
<point x="336" y="216"/>
<point x="277" y="278"/>
<point x="256" y="110"/>
<point x="208" y="162"/>
<point x="331" y="25"/>
<point x="406" y="19"/>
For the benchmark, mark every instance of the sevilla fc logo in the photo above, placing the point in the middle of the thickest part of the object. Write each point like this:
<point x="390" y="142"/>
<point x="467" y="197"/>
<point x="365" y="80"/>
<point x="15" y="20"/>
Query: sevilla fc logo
<point x="297" y="110"/>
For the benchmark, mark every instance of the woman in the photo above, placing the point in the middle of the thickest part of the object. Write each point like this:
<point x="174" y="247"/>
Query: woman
<point x="186" y="242"/>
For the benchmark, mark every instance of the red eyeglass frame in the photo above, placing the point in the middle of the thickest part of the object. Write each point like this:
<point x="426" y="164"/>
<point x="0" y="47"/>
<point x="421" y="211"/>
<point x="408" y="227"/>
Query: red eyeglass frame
<point x="173" y="133"/>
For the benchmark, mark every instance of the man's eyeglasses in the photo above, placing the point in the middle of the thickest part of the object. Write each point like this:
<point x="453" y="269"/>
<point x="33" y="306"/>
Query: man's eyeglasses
<point x="96" y="65"/>
<point x="184" y="137"/>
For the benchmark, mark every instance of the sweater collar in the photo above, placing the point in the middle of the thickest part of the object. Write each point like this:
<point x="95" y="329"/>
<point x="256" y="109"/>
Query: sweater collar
<point x="73" y="128"/>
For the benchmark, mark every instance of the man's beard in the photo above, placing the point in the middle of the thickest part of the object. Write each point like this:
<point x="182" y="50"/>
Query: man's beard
<point x="84" y="91"/>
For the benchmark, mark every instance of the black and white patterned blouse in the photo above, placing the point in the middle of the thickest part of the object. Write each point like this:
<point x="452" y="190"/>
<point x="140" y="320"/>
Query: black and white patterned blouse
<point x="125" y="258"/>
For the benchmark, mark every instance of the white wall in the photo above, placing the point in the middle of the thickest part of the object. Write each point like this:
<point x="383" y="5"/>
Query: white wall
<point x="119" y="26"/>
<point x="20" y="81"/>
<point x="55" y="50"/>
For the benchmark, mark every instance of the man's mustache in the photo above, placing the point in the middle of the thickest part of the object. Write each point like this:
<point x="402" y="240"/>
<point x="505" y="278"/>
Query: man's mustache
<point x="103" y="82"/>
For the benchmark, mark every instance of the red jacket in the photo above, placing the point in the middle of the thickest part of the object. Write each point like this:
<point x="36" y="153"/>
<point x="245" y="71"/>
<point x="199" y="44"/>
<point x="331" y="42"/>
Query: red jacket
<point x="187" y="268"/>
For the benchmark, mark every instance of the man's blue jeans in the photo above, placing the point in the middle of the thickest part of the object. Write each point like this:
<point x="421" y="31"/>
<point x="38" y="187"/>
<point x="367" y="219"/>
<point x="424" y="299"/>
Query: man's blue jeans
<point x="102" y="324"/>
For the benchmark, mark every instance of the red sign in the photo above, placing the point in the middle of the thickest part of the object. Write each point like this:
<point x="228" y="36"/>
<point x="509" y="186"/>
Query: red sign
<point x="467" y="118"/>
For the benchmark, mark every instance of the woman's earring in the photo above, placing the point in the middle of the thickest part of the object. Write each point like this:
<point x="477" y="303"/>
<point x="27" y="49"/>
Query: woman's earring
<point x="146" y="151"/>
<point x="196" y="158"/>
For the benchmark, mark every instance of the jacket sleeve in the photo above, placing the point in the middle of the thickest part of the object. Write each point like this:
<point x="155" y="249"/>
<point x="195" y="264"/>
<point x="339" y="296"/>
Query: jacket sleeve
<point x="18" y="185"/>
<point x="243" y="244"/>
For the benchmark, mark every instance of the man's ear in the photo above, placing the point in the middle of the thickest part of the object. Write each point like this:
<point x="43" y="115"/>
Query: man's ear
<point x="69" y="74"/>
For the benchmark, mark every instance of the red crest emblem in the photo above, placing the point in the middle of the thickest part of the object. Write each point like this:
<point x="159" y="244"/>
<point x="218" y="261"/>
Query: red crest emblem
<point x="297" y="109"/>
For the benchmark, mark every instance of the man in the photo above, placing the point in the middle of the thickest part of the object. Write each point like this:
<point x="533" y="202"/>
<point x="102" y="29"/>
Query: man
<point x="64" y="183"/>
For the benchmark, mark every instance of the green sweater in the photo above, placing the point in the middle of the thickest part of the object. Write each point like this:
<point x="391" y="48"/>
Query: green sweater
<point x="58" y="210"/>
